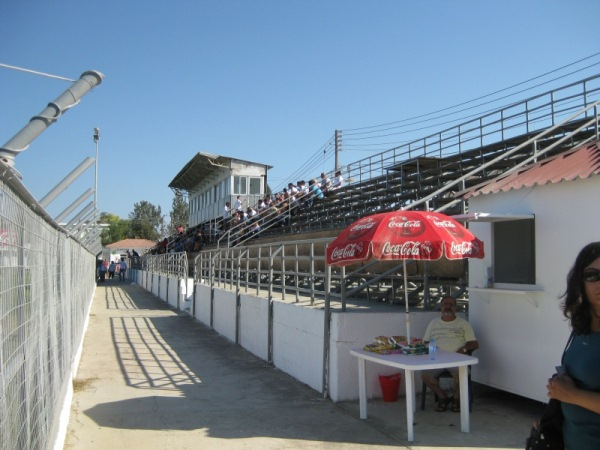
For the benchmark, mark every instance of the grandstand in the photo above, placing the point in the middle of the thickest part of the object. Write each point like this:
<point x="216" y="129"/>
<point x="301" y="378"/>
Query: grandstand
<point x="428" y="173"/>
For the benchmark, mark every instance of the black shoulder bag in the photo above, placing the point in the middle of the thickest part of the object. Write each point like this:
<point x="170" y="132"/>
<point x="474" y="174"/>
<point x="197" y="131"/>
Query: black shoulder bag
<point x="548" y="434"/>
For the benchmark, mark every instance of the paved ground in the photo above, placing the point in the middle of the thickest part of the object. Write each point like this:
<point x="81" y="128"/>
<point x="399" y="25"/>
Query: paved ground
<point x="153" y="378"/>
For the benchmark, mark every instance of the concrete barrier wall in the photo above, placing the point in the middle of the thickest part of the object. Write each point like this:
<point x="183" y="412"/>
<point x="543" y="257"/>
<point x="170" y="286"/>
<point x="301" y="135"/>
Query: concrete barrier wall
<point x="254" y="325"/>
<point x="298" y="336"/>
<point x="202" y="303"/>
<point x="298" y="342"/>
<point x="154" y="284"/>
<point x="186" y="294"/>
<point x="172" y="292"/>
<point x="224" y="314"/>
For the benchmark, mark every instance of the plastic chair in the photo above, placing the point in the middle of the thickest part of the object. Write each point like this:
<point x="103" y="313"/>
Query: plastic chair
<point x="447" y="374"/>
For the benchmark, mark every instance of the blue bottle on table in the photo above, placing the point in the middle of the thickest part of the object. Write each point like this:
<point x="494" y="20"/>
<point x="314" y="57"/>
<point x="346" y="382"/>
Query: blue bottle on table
<point x="432" y="348"/>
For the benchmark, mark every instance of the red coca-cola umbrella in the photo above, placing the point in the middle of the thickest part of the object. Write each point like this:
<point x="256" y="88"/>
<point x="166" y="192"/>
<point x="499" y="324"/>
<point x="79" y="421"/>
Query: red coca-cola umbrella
<point x="403" y="235"/>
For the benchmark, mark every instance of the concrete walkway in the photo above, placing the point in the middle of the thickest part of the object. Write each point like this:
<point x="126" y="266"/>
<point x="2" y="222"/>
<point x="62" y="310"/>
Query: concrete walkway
<point x="153" y="378"/>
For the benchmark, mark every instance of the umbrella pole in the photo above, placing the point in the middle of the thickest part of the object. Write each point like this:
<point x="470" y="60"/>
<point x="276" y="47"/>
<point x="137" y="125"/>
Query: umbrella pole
<point x="406" y="302"/>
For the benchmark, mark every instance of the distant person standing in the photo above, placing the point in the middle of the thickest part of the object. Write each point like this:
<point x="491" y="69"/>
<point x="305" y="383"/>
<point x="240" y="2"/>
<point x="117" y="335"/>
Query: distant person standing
<point x="111" y="270"/>
<point x="122" y="269"/>
<point x="102" y="268"/>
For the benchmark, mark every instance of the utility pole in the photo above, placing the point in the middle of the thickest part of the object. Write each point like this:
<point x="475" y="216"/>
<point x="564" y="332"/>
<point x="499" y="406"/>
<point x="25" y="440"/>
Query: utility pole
<point x="338" y="148"/>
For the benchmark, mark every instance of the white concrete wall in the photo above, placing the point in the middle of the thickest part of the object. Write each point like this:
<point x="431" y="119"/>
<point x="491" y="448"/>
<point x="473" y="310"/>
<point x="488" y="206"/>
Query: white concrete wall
<point x="162" y="288"/>
<point x="298" y="337"/>
<point x="154" y="284"/>
<point x="172" y="292"/>
<point x="522" y="335"/>
<point x="202" y="303"/>
<point x="224" y="313"/>
<point x="186" y="294"/>
<point x="254" y="325"/>
<point x="298" y="342"/>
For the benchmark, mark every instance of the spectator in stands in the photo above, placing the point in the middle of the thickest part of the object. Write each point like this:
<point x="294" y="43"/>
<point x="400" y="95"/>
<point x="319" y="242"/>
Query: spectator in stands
<point x="262" y="204"/>
<point x="180" y="229"/>
<point x="292" y="189"/>
<point x="250" y="213"/>
<point x="315" y="192"/>
<point x="304" y="193"/>
<point x="177" y="246"/>
<point x="254" y="229"/>
<point x="325" y="183"/>
<point x="282" y="217"/>
<point x="226" y="215"/>
<point x="238" y="203"/>
<point x="199" y="241"/>
<point x="338" y="181"/>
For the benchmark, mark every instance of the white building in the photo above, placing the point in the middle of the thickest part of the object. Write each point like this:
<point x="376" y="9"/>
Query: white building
<point x="533" y="224"/>
<point x="212" y="180"/>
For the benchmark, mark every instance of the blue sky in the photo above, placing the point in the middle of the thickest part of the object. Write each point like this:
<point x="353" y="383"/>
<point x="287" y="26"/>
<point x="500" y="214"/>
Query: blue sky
<point x="266" y="81"/>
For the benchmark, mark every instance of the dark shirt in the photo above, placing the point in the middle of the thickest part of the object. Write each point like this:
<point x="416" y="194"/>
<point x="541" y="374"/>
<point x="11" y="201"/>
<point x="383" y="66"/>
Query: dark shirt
<point x="581" y="427"/>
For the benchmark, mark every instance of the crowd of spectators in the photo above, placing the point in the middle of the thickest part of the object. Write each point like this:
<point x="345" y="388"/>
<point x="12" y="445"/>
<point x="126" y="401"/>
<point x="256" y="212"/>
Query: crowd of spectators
<point x="241" y="224"/>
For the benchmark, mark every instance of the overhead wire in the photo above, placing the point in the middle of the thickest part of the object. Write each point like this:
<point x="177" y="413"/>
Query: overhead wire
<point x="351" y="136"/>
<point x="311" y="165"/>
<point x="35" y="72"/>
<point x="462" y="118"/>
<point x="481" y="97"/>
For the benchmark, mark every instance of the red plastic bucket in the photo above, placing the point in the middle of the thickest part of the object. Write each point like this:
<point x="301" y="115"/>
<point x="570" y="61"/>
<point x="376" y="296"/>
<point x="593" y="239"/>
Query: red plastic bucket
<point x="390" y="384"/>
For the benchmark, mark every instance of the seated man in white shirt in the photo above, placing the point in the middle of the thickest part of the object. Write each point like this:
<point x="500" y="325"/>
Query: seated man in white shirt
<point x="452" y="334"/>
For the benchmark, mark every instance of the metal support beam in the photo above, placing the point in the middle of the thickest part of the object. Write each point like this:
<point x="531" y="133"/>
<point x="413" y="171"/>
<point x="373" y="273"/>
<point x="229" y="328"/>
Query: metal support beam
<point x="38" y="124"/>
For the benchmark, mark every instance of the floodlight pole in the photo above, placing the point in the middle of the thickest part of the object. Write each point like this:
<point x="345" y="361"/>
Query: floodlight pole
<point x="96" y="139"/>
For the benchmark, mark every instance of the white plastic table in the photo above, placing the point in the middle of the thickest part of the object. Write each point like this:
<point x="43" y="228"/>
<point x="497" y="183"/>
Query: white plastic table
<point x="411" y="363"/>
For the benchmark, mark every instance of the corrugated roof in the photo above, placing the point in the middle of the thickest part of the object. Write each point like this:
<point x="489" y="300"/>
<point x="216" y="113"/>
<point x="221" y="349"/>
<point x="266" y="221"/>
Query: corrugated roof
<point x="203" y="167"/>
<point x="581" y="162"/>
<point x="131" y="244"/>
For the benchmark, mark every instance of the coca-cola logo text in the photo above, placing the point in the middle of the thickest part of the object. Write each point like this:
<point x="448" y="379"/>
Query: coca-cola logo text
<point x="446" y="224"/>
<point x="405" y="227"/>
<point x="361" y="228"/>
<point x="408" y="249"/>
<point x="464" y="248"/>
<point x="348" y="252"/>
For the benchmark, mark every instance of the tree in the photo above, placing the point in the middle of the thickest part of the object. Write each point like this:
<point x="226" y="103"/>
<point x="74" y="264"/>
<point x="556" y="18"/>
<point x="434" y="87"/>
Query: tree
<point x="146" y="220"/>
<point x="180" y="213"/>
<point x="117" y="230"/>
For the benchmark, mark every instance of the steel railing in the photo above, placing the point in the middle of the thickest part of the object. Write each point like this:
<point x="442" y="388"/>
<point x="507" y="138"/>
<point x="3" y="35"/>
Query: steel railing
<point x="526" y="117"/>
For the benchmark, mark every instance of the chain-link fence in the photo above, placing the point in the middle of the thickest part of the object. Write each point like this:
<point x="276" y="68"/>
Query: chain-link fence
<point x="47" y="281"/>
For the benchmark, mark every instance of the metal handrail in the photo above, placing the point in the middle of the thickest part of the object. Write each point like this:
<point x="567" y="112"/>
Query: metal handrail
<point x="507" y="153"/>
<point x="261" y="266"/>
<point x="170" y="264"/>
<point x="539" y="112"/>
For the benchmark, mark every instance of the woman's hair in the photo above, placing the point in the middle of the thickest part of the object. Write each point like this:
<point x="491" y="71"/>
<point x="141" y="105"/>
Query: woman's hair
<point x="575" y="305"/>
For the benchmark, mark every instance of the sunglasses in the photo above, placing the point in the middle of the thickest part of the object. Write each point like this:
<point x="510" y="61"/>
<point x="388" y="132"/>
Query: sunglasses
<point x="591" y="275"/>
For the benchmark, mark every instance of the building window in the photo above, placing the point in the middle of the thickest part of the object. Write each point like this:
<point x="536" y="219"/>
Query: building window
<point x="255" y="183"/>
<point x="240" y="185"/>
<point x="514" y="251"/>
